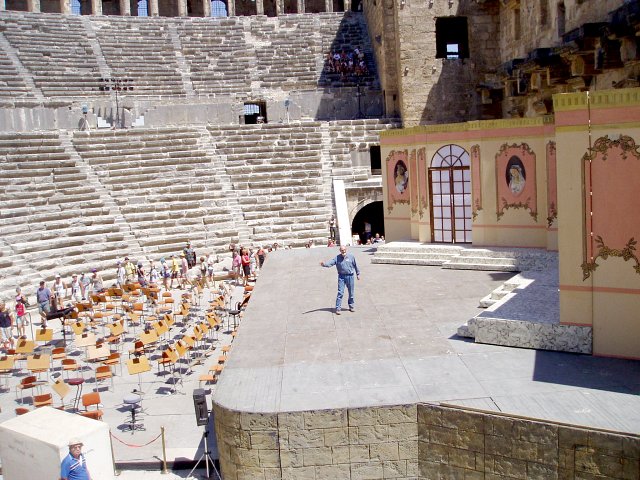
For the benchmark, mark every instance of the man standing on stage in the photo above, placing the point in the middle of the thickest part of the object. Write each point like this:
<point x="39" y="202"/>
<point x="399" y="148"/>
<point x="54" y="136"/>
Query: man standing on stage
<point x="347" y="267"/>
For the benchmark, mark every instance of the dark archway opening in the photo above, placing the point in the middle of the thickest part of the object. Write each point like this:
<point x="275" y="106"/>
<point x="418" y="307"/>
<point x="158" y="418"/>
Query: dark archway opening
<point x="50" y="6"/>
<point x="139" y="8"/>
<point x="17" y="5"/>
<point x="219" y="9"/>
<point x="373" y="214"/>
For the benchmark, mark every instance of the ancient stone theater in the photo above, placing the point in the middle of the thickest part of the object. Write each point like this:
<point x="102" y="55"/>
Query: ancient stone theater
<point x="464" y="150"/>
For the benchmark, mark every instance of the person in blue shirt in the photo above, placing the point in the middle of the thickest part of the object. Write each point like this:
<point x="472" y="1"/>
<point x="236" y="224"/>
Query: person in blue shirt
<point x="347" y="268"/>
<point x="74" y="465"/>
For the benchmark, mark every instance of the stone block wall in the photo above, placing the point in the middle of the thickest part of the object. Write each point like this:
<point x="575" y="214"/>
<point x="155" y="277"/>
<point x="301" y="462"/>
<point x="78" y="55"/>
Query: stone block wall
<point x="416" y="441"/>
<point x="455" y="443"/>
<point x="357" y="444"/>
<point x="431" y="90"/>
<point x="539" y="23"/>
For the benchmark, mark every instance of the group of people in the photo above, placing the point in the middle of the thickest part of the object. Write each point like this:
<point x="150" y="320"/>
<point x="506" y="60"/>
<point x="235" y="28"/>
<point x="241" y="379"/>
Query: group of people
<point x="347" y="63"/>
<point x="247" y="262"/>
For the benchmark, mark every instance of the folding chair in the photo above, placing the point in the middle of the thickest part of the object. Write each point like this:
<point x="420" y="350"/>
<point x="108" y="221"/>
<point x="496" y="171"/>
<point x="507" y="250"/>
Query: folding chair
<point x="44" y="400"/>
<point x="90" y="400"/>
<point x="102" y="373"/>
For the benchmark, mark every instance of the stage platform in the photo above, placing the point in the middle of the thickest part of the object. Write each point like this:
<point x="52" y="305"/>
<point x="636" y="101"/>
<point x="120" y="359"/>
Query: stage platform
<point x="391" y="391"/>
<point x="400" y="346"/>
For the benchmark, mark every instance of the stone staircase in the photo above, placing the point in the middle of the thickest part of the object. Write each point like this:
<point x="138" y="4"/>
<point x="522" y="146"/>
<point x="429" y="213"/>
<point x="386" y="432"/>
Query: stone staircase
<point x="344" y="34"/>
<point x="51" y="216"/>
<point x="498" y="259"/>
<point x="525" y="312"/>
<point x="413" y="253"/>
<point x="16" y="82"/>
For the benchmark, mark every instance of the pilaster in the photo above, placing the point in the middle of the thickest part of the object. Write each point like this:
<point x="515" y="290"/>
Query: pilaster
<point x="33" y="6"/>
<point x="182" y="8"/>
<point x="96" y="7"/>
<point x="153" y="8"/>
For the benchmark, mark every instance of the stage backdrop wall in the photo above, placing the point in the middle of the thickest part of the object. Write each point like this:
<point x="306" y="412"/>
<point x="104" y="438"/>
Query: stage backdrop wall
<point x="598" y="167"/>
<point x="508" y="172"/>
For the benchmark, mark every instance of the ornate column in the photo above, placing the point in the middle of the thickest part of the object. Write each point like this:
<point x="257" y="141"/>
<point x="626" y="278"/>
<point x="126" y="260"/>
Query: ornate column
<point x="96" y="7"/>
<point x="153" y="8"/>
<point x="33" y="6"/>
<point x="300" y="6"/>
<point x="328" y="5"/>
<point x="231" y="8"/>
<point x="3" y="5"/>
<point x="347" y="5"/>
<point x="125" y="7"/>
<point x="182" y="8"/>
<point x="65" y="7"/>
<point x="259" y="7"/>
<point x="206" y="8"/>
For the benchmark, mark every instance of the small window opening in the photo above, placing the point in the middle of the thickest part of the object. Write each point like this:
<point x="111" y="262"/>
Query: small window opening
<point x="375" y="159"/>
<point x="255" y="112"/>
<point x="453" y="50"/>
<point x="76" y="8"/>
<point x="452" y="38"/>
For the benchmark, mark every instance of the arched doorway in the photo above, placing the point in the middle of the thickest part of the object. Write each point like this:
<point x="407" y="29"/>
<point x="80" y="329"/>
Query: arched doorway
<point x="450" y="191"/>
<point x="373" y="213"/>
<point x="218" y="9"/>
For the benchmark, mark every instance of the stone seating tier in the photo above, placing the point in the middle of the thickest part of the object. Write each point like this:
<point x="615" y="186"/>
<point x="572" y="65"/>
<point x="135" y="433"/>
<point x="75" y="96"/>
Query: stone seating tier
<point x="217" y="56"/>
<point x="42" y="215"/>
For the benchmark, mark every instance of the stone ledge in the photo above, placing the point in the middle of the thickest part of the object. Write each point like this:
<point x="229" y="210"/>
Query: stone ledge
<point x="517" y="333"/>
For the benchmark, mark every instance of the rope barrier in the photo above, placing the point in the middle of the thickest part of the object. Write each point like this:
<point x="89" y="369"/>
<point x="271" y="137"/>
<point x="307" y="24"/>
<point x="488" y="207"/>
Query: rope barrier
<point x="135" y="446"/>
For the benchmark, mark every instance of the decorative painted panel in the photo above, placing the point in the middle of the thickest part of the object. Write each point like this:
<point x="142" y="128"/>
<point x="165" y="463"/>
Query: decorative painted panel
<point x="413" y="182"/>
<point x="612" y="206"/>
<point x="476" y="180"/>
<point x="516" y="179"/>
<point x="422" y="181"/>
<point x="397" y="165"/>
<point x="552" y="184"/>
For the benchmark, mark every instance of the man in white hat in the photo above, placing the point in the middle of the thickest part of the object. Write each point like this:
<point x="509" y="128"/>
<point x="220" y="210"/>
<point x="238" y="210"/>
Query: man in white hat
<point x="76" y="289"/>
<point x="74" y="465"/>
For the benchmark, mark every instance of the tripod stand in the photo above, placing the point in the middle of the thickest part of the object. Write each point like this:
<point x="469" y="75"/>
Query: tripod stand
<point x="206" y="456"/>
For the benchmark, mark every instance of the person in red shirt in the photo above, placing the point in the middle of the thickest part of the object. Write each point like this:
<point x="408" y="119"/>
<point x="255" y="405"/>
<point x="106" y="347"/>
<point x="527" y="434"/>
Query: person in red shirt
<point x="245" y="259"/>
